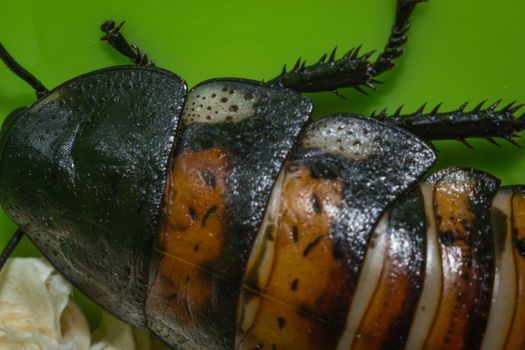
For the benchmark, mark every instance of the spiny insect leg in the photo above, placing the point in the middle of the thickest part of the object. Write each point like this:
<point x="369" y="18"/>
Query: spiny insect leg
<point x="480" y="122"/>
<point x="115" y="38"/>
<point x="398" y="36"/>
<point x="22" y="73"/>
<point x="353" y="69"/>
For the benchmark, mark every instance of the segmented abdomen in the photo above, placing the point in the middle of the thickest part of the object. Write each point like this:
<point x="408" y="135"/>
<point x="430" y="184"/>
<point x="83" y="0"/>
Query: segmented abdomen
<point x="327" y="242"/>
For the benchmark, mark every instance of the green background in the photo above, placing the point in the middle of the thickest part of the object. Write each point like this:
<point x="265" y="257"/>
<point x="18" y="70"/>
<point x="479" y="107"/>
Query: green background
<point x="459" y="50"/>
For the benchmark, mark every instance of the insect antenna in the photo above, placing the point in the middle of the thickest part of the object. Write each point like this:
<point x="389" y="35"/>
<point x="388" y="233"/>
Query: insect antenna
<point x="11" y="245"/>
<point x="22" y="73"/>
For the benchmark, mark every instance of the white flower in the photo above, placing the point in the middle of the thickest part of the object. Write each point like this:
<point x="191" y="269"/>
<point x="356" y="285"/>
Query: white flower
<point x="37" y="313"/>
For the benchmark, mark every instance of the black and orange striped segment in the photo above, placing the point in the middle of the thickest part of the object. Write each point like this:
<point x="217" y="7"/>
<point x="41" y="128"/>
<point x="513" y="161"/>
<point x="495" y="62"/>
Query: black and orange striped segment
<point x="504" y="292"/>
<point x="234" y="140"/>
<point x="192" y="237"/>
<point x="303" y="272"/>
<point x="516" y="335"/>
<point x="306" y="282"/>
<point x="389" y="315"/>
<point x="462" y="201"/>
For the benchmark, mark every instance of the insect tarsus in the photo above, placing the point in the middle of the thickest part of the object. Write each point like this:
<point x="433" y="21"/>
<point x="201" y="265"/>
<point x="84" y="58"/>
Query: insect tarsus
<point x="117" y="40"/>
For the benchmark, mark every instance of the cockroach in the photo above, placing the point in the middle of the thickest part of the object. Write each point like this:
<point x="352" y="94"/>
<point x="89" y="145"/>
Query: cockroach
<point x="223" y="218"/>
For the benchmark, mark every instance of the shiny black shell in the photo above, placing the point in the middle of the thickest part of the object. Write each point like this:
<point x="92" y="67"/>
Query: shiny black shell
<point x="83" y="173"/>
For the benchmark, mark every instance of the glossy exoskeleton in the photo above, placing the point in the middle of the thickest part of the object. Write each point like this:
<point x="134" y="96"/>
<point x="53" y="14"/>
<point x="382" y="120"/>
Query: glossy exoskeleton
<point x="223" y="218"/>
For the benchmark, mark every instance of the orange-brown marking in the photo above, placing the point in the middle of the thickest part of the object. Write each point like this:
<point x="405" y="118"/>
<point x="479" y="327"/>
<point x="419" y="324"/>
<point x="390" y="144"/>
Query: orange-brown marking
<point x="281" y="326"/>
<point x="193" y="233"/>
<point x="305" y="275"/>
<point x="193" y="195"/>
<point x="388" y="301"/>
<point x="516" y="336"/>
<point x="454" y="221"/>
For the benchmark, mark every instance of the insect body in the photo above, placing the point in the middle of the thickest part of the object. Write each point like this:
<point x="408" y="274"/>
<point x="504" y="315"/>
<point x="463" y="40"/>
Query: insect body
<point x="222" y="218"/>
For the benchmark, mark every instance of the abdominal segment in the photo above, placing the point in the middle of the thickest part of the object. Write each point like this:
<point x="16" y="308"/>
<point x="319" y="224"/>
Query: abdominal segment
<point x="443" y="269"/>
<point x="353" y="250"/>
<point x="294" y="282"/>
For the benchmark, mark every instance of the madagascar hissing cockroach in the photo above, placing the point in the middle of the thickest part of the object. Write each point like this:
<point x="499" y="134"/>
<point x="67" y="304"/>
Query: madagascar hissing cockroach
<point x="223" y="218"/>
